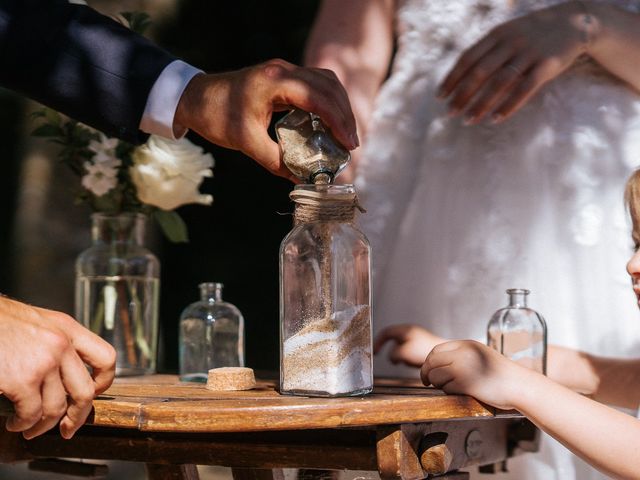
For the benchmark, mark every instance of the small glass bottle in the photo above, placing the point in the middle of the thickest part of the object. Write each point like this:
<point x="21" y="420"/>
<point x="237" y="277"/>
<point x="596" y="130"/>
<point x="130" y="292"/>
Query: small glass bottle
<point x="325" y="297"/>
<point x="117" y="290"/>
<point x="308" y="148"/>
<point x="211" y="335"/>
<point x="519" y="332"/>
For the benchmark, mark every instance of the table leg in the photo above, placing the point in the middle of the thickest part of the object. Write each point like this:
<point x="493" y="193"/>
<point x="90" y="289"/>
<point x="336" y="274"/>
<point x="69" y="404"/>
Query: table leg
<point x="413" y="451"/>
<point x="157" y="471"/>
<point x="397" y="455"/>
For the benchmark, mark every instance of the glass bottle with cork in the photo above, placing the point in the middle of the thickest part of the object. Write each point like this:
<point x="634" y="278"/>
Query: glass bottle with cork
<point x="325" y="284"/>
<point x="211" y="335"/>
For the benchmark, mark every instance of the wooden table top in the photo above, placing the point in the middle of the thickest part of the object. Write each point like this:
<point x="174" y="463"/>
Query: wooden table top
<point x="161" y="403"/>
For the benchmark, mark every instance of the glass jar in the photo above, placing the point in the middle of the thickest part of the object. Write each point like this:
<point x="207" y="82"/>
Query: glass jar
<point x="211" y="335"/>
<point x="519" y="332"/>
<point x="117" y="290"/>
<point x="325" y="297"/>
<point x="308" y="148"/>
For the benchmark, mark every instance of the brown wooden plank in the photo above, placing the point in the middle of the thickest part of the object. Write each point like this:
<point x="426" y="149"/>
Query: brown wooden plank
<point x="166" y="386"/>
<point x="335" y="449"/>
<point x="397" y="455"/>
<point x="290" y="413"/>
<point x="263" y="389"/>
<point x="121" y="412"/>
<point x="67" y="467"/>
<point x="162" y="404"/>
<point x="118" y="412"/>
<point x="185" y="390"/>
<point x="473" y="442"/>
<point x="400" y="448"/>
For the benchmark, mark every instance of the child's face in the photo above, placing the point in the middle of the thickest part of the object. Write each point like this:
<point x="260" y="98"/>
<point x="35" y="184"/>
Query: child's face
<point x="633" y="266"/>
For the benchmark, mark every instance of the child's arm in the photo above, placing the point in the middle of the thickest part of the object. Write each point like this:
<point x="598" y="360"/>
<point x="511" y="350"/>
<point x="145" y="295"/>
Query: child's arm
<point x="615" y="381"/>
<point x="607" y="439"/>
<point x="410" y="344"/>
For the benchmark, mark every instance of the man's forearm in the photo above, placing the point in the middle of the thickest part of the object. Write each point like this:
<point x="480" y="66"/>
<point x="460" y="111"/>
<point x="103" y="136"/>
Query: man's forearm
<point x="86" y="65"/>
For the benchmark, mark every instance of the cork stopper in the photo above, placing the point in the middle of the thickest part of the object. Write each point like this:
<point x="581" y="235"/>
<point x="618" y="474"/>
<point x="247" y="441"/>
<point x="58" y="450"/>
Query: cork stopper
<point x="231" y="378"/>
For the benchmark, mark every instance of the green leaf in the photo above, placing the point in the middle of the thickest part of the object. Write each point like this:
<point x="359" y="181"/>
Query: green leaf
<point x="110" y="202"/>
<point x="138" y="21"/>
<point x="38" y="114"/>
<point x="48" y="130"/>
<point x="52" y="117"/>
<point x="172" y="226"/>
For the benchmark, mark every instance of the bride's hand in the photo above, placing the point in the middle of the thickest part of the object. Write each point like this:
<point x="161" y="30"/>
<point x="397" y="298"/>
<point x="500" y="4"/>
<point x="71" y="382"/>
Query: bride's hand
<point x="501" y="72"/>
<point x="410" y="343"/>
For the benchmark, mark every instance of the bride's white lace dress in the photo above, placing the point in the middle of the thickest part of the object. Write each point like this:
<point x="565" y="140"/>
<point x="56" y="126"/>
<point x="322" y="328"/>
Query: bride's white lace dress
<point x="457" y="214"/>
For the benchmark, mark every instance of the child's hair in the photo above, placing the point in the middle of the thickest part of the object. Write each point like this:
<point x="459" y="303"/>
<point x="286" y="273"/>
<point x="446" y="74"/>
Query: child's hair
<point x="632" y="200"/>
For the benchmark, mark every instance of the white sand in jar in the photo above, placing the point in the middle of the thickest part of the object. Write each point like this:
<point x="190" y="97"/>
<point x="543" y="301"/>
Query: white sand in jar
<point x="330" y="355"/>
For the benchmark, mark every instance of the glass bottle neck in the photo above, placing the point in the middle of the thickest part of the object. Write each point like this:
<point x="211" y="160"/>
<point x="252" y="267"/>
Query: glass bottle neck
<point x="517" y="297"/>
<point x="211" y="292"/>
<point x="121" y="228"/>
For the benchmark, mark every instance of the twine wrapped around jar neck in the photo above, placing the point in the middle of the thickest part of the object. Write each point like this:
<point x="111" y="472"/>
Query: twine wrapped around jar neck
<point x="325" y="206"/>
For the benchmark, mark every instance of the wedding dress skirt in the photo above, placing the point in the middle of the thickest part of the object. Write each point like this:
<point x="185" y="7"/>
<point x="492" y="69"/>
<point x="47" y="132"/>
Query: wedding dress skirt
<point x="457" y="214"/>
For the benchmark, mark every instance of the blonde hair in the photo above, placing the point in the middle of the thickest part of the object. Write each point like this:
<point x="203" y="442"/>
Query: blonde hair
<point x="632" y="200"/>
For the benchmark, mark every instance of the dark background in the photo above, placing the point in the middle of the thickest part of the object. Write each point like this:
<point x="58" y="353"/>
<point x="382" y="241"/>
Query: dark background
<point x="236" y="240"/>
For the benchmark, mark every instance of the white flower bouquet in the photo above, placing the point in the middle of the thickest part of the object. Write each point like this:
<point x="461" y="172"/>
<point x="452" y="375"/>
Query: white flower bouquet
<point x="118" y="177"/>
<point x="117" y="278"/>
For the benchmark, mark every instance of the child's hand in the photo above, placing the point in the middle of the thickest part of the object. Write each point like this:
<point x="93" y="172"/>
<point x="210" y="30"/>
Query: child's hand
<point x="411" y="343"/>
<point x="471" y="368"/>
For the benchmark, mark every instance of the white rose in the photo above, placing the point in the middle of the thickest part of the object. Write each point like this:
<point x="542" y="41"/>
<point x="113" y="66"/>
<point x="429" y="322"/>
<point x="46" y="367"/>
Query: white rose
<point x="168" y="173"/>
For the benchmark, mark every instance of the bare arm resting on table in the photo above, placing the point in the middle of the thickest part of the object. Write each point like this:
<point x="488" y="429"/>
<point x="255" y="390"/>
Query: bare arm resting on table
<point x="42" y="368"/>
<point x="606" y="438"/>
<point x="614" y="381"/>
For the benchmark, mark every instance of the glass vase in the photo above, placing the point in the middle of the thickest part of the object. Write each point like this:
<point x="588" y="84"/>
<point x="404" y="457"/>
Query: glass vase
<point x="519" y="332"/>
<point x="325" y="297"/>
<point x="211" y="335"/>
<point x="117" y="290"/>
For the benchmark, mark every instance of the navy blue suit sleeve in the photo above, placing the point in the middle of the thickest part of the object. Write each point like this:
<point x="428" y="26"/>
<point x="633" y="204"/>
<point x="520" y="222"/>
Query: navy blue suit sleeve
<point x="75" y="60"/>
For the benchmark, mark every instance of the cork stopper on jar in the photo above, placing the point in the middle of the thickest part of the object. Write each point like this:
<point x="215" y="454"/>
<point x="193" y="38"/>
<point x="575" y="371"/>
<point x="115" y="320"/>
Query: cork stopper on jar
<point x="231" y="378"/>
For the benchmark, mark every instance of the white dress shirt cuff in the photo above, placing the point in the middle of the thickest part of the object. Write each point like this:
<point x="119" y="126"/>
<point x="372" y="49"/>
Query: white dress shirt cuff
<point x="160" y="110"/>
